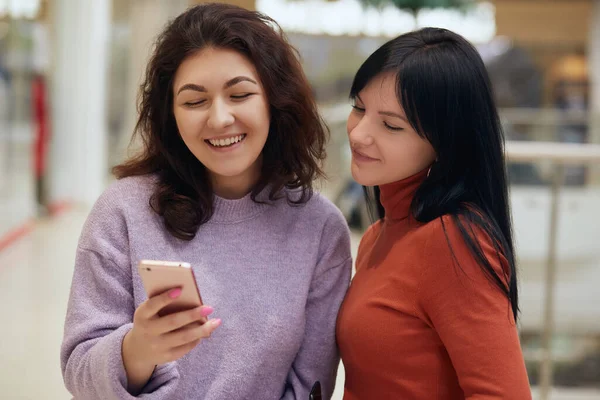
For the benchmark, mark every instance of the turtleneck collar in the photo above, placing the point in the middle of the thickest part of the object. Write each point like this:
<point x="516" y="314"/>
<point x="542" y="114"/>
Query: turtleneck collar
<point x="396" y="197"/>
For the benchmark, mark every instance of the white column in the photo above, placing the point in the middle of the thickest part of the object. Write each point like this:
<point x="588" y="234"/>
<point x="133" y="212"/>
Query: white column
<point x="593" y="56"/>
<point x="594" y="68"/>
<point x="147" y="18"/>
<point x="78" y="166"/>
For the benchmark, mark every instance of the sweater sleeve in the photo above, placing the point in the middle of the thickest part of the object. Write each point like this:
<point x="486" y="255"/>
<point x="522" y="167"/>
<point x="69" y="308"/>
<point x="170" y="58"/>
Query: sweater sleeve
<point x="318" y="358"/>
<point x="472" y="316"/>
<point x="100" y="312"/>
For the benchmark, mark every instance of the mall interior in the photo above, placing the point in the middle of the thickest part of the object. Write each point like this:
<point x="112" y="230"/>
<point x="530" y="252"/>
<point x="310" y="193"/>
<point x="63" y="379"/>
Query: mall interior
<point x="69" y="77"/>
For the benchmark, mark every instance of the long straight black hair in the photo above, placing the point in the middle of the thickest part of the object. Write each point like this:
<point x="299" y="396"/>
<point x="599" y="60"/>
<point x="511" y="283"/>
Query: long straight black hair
<point x="445" y="91"/>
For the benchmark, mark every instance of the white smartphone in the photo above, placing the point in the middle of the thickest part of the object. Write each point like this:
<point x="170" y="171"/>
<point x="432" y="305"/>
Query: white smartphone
<point x="161" y="276"/>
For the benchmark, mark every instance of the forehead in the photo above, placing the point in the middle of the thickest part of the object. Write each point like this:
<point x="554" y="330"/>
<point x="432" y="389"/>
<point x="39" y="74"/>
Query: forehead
<point x="381" y="90"/>
<point x="213" y="66"/>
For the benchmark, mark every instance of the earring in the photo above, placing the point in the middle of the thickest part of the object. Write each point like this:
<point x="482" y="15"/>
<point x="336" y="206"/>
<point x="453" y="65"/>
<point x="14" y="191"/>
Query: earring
<point x="431" y="166"/>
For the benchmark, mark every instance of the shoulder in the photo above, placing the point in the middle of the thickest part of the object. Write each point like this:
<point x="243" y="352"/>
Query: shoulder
<point x="454" y="241"/>
<point x="370" y="235"/>
<point x="126" y="195"/>
<point x="320" y="216"/>
<point x="449" y="231"/>
<point x="334" y="223"/>
<point x="123" y="200"/>
<point x="128" y="190"/>
<point x="317" y="208"/>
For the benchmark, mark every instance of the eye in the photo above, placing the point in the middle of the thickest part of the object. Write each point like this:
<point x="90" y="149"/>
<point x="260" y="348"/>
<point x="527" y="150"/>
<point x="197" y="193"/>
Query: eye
<point x="392" y="128"/>
<point x="194" y="103"/>
<point x="241" y="96"/>
<point x="358" y="109"/>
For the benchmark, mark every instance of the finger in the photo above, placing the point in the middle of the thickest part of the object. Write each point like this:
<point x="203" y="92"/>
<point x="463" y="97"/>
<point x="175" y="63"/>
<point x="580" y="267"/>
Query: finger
<point x="156" y="303"/>
<point x="178" y="352"/>
<point x="175" y="321"/>
<point x="188" y="335"/>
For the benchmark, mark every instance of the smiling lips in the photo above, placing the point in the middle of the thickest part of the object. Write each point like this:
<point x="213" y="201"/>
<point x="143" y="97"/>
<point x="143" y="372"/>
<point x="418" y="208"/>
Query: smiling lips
<point x="226" y="142"/>
<point x="360" y="157"/>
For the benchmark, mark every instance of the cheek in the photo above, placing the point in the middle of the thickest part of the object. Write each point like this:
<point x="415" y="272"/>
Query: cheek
<point x="431" y="154"/>
<point x="255" y="115"/>
<point x="408" y="156"/>
<point x="264" y="114"/>
<point x="189" y="123"/>
<point x="424" y="151"/>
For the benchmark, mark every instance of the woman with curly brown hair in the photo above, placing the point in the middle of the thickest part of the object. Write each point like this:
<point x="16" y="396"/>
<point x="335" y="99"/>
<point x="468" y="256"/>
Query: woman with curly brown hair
<point x="232" y="142"/>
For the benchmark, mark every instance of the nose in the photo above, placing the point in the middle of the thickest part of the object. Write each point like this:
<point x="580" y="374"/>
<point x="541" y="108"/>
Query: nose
<point x="358" y="133"/>
<point x="220" y="115"/>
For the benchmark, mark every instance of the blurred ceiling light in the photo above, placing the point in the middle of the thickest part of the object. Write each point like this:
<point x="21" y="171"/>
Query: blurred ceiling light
<point x="572" y="67"/>
<point x="20" y="8"/>
<point x="349" y="17"/>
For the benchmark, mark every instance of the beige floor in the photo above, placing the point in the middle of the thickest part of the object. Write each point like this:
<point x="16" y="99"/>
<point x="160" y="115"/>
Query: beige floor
<point x="35" y="275"/>
<point x="16" y="183"/>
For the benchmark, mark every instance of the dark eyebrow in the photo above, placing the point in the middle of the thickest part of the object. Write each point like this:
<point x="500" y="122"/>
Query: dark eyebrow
<point x="228" y="84"/>
<point x="192" y="86"/>
<point x="237" y="80"/>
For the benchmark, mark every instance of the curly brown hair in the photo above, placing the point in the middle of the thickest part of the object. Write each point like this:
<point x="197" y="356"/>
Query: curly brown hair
<point x="295" y="147"/>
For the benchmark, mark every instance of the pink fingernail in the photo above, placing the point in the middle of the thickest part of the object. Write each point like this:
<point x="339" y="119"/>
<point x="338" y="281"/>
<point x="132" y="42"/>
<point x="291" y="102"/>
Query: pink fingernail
<point x="216" y="322"/>
<point x="175" y="293"/>
<point x="206" y="311"/>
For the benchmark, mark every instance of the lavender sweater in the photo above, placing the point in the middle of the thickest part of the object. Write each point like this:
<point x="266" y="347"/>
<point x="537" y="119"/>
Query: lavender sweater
<point x="275" y="274"/>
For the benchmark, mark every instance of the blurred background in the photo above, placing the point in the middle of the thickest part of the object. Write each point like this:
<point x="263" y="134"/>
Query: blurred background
<point x="69" y="73"/>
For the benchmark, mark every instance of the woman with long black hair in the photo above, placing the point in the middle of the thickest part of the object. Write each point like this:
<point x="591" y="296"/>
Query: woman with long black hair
<point x="432" y="310"/>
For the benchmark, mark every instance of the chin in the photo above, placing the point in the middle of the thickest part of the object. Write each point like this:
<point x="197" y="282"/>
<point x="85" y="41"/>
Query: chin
<point x="365" y="179"/>
<point x="234" y="168"/>
<point x="230" y="172"/>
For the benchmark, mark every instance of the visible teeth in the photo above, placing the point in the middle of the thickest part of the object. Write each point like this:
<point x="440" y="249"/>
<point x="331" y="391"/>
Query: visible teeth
<point x="226" y="142"/>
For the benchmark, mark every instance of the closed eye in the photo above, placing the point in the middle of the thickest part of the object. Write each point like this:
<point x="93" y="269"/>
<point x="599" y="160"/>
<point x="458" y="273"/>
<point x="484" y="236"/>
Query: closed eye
<point x="358" y="109"/>
<point x="194" y="103"/>
<point x="242" y="96"/>
<point x="392" y="128"/>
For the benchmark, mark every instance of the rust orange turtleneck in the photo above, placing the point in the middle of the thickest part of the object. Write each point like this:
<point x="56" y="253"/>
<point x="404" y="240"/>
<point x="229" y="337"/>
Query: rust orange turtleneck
<point x="417" y="326"/>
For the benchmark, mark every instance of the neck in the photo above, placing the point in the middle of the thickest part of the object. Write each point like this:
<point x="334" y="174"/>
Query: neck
<point x="396" y="197"/>
<point x="236" y="187"/>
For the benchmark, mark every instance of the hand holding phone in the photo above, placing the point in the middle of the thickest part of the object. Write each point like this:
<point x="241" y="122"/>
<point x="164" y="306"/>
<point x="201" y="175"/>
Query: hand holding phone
<point x="161" y="276"/>
<point x="166" y="327"/>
